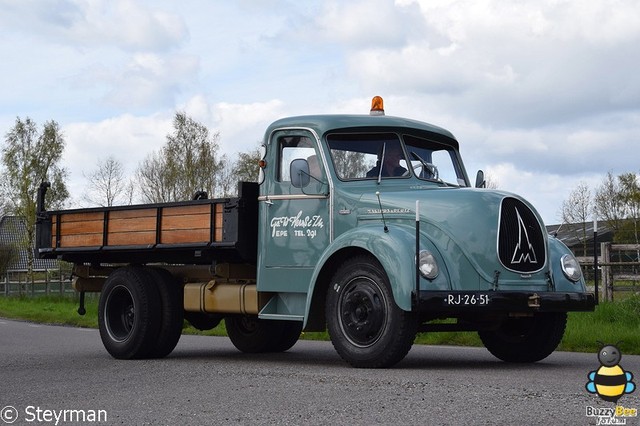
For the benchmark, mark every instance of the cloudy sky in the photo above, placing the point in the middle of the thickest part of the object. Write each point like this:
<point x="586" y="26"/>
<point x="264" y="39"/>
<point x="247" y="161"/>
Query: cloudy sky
<point x="541" y="94"/>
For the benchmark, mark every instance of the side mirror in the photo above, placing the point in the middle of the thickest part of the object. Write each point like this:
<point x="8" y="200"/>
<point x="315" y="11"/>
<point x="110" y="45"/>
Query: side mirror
<point x="299" y="172"/>
<point x="480" y="182"/>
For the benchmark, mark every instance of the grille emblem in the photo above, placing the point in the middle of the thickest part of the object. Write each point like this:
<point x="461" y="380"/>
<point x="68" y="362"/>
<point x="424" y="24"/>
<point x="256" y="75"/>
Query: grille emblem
<point x="521" y="241"/>
<point x="524" y="251"/>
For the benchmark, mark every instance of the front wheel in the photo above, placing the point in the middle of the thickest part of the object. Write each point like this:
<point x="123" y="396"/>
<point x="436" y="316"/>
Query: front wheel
<point x="366" y="326"/>
<point x="527" y="339"/>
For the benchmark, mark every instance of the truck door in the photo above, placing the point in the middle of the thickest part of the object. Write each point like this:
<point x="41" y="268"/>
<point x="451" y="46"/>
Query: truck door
<point x="294" y="221"/>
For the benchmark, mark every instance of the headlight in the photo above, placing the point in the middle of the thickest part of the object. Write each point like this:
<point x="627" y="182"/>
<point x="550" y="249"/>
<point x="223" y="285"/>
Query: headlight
<point x="427" y="265"/>
<point x="571" y="267"/>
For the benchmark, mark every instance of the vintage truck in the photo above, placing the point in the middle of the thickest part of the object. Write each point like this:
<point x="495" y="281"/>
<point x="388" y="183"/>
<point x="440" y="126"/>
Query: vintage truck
<point x="336" y="235"/>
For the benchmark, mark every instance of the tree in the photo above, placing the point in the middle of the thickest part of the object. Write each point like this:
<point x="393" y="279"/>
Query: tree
<point x="617" y="201"/>
<point x="227" y="185"/>
<point x="246" y="166"/>
<point x="108" y="185"/>
<point x="491" y="182"/>
<point x="7" y="255"/>
<point x="576" y="212"/>
<point x="630" y="196"/>
<point x="608" y="204"/>
<point x="187" y="163"/>
<point x="244" y="169"/>
<point x="31" y="157"/>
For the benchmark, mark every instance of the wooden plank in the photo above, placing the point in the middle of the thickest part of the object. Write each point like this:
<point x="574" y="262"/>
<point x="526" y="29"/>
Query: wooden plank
<point x="85" y="240"/>
<point x="186" y="210"/>
<point x="54" y="228"/>
<point x="81" y="228"/>
<point x="624" y="247"/>
<point x="129" y="214"/>
<point x="185" y="236"/>
<point x="133" y="224"/>
<point x="626" y="277"/>
<point x="200" y="221"/>
<point x="219" y="222"/>
<point x="132" y="238"/>
<point x="81" y="217"/>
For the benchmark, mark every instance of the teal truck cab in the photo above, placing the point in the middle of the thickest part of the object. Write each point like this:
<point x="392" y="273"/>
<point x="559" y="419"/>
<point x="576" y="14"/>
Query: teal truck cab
<point x="366" y="225"/>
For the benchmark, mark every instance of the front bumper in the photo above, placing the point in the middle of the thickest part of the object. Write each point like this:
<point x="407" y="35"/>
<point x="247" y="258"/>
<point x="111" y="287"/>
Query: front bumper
<point x="456" y="302"/>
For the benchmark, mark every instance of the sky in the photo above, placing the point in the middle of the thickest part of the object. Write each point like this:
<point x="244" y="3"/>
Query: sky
<point x="543" y="95"/>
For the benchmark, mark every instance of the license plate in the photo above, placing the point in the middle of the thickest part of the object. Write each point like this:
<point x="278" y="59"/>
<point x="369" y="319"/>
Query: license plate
<point x="466" y="299"/>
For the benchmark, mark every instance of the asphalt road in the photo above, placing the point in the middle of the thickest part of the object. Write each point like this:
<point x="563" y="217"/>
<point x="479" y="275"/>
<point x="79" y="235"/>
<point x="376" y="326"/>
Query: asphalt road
<point x="45" y="370"/>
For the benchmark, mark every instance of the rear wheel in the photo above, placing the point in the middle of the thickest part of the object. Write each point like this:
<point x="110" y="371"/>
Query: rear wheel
<point x="172" y="312"/>
<point x="366" y="326"/>
<point x="129" y="313"/>
<point x="252" y="335"/>
<point x="527" y="339"/>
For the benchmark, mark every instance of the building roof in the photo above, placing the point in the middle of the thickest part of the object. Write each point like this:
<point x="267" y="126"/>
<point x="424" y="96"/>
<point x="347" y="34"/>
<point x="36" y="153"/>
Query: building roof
<point x="571" y="234"/>
<point x="12" y="233"/>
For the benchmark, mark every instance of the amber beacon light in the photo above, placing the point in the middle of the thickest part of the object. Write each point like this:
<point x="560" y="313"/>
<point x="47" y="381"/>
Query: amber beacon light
<point x="377" y="106"/>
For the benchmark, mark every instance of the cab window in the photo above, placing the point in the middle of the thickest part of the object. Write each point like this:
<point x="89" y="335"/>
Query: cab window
<point x="294" y="147"/>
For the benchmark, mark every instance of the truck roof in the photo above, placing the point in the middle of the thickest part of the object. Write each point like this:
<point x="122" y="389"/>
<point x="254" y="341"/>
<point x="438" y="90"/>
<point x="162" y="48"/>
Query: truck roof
<point x="325" y="123"/>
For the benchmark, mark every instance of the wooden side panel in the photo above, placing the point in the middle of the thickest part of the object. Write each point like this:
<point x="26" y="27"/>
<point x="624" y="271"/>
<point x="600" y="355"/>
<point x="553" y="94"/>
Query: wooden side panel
<point x="219" y="223"/>
<point x="80" y="229"/>
<point x="186" y="224"/>
<point x="54" y="229"/>
<point x="132" y="227"/>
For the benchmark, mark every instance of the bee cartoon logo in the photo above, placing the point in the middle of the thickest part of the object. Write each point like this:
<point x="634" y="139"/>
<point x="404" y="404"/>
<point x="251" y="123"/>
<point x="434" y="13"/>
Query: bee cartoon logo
<point x="610" y="381"/>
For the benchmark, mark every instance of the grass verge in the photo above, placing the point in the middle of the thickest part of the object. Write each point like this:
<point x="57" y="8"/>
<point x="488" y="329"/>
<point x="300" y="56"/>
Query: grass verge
<point x="611" y="322"/>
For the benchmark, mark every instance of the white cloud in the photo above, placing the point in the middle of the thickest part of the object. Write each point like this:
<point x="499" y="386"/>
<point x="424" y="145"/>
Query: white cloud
<point x="127" y="138"/>
<point x="123" y="23"/>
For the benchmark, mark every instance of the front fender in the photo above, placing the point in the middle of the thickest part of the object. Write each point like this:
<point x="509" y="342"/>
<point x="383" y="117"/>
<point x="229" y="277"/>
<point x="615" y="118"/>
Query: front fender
<point x="556" y="250"/>
<point x="395" y="250"/>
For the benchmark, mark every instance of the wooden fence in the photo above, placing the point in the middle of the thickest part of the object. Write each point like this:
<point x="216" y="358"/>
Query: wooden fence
<point x="49" y="282"/>
<point x="618" y="267"/>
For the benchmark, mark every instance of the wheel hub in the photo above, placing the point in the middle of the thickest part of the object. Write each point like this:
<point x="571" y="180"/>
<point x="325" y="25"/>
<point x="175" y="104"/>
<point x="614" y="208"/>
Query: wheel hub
<point x="363" y="312"/>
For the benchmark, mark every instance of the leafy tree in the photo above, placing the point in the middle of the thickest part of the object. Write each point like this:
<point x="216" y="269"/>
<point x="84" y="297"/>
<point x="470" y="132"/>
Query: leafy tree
<point x="108" y="185"/>
<point x="630" y="196"/>
<point x="608" y="204"/>
<point x="187" y="163"/>
<point x="243" y="169"/>
<point x="31" y="157"/>
<point x="617" y="201"/>
<point x="246" y="166"/>
<point x="576" y="212"/>
<point x="7" y="255"/>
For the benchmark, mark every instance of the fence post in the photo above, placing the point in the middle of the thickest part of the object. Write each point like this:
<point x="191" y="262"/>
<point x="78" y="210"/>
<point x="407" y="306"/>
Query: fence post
<point x="606" y="271"/>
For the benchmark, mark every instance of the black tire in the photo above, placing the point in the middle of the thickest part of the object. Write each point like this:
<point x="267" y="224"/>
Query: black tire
<point x="129" y="313"/>
<point x="366" y="326"/>
<point x="203" y="321"/>
<point x="172" y="312"/>
<point x="527" y="339"/>
<point x="250" y="334"/>
<point x="289" y="334"/>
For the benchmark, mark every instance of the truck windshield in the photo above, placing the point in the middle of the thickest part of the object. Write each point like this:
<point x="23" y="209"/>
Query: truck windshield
<point x="368" y="156"/>
<point x="434" y="161"/>
<point x="371" y="155"/>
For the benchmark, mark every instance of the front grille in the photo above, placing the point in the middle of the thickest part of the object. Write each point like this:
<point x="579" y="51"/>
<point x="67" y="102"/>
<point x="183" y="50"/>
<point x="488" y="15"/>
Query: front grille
<point x="521" y="242"/>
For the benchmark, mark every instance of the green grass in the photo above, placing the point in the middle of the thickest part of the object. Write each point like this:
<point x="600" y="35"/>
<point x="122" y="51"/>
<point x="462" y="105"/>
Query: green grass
<point x="611" y="322"/>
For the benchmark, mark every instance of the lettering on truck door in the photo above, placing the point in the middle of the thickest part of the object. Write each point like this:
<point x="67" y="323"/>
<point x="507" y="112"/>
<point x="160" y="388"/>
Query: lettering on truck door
<point x="295" y="220"/>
